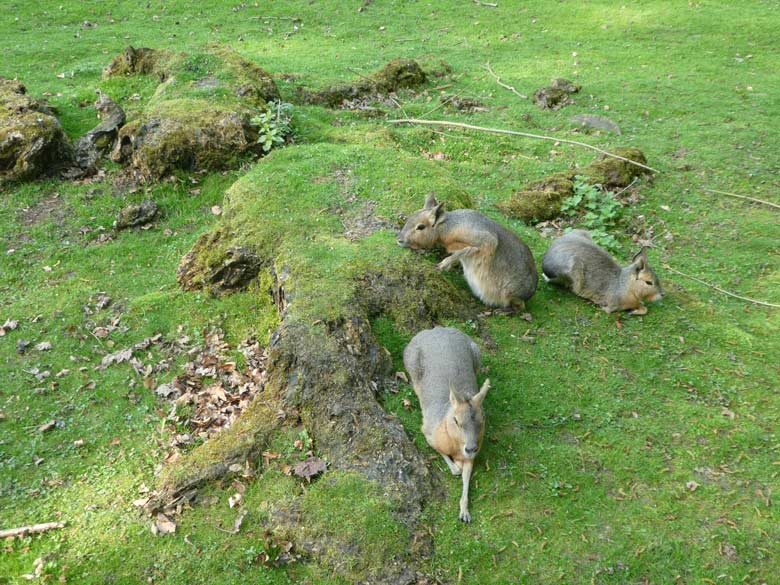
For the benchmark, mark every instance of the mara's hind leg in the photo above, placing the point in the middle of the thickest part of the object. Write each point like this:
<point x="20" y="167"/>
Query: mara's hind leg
<point x="576" y="277"/>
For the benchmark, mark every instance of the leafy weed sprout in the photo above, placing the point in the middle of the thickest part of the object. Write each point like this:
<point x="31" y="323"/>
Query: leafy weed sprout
<point x="273" y="124"/>
<point x="598" y="211"/>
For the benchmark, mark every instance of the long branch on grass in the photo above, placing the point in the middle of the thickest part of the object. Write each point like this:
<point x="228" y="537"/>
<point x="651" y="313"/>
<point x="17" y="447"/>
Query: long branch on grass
<point x="516" y="133"/>
<point x="717" y="288"/>
<point x="32" y="529"/>
<point x="743" y="197"/>
<point x="504" y="85"/>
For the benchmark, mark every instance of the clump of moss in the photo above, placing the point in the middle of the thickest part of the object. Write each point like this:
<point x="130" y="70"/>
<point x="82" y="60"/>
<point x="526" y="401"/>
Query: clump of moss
<point x="141" y="61"/>
<point x="32" y="142"/>
<point x="613" y="173"/>
<point x="557" y="95"/>
<point x="541" y="200"/>
<point x="396" y="74"/>
<point x="199" y="118"/>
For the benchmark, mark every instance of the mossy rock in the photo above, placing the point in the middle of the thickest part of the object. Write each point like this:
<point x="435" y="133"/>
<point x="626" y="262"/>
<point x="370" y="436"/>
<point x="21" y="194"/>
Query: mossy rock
<point x="32" y="141"/>
<point x="541" y="200"/>
<point x="396" y="74"/>
<point x="613" y="173"/>
<point x="199" y="116"/>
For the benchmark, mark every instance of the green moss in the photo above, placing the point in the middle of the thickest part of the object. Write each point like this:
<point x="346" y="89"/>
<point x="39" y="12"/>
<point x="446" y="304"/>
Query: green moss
<point x="353" y="524"/>
<point x="396" y="74"/>
<point x="613" y="173"/>
<point x="199" y="115"/>
<point x="541" y="200"/>
<point x="32" y="142"/>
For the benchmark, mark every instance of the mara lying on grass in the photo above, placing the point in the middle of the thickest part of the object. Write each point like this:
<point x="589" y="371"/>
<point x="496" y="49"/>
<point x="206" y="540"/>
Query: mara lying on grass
<point x="497" y="265"/>
<point x="443" y="363"/>
<point x="574" y="260"/>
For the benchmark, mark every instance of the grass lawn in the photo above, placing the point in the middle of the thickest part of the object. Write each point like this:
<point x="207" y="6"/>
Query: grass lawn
<point x="618" y="449"/>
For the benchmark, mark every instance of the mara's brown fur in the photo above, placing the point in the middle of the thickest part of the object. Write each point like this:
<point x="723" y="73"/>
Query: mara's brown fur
<point x="442" y="363"/>
<point x="574" y="260"/>
<point x="498" y="266"/>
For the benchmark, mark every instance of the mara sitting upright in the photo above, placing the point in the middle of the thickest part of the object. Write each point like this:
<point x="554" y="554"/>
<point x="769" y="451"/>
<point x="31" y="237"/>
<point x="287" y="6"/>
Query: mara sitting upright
<point x="443" y="364"/>
<point x="574" y="260"/>
<point x="498" y="266"/>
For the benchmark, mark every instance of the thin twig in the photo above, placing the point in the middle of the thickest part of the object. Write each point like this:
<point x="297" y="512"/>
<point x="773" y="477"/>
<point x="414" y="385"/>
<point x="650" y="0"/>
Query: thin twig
<point x="400" y="107"/>
<point x="515" y="133"/>
<point x="743" y="197"/>
<point x="443" y="103"/>
<point x="498" y="81"/>
<point x="488" y="4"/>
<point x="33" y="529"/>
<point x="361" y="75"/>
<point x="627" y="187"/>
<point x="725" y="292"/>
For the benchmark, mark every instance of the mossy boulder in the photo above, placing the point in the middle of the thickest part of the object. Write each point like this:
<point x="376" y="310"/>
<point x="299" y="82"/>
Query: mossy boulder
<point x="540" y="200"/>
<point x="613" y="173"/>
<point x="396" y="74"/>
<point x="199" y="116"/>
<point x="32" y="141"/>
<point x="136" y="215"/>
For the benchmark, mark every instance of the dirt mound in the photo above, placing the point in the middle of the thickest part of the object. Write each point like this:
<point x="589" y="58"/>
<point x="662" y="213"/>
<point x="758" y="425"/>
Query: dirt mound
<point x="32" y="142"/>
<point x="200" y="116"/>
<point x="395" y="75"/>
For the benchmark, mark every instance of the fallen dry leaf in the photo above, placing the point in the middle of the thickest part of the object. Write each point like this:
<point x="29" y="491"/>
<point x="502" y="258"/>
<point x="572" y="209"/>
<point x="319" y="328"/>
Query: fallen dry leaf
<point x="117" y="357"/>
<point x="163" y="525"/>
<point x="47" y="426"/>
<point x="43" y="346"/>
<point x="692" y="485"/>
<point x="309" y="468"/>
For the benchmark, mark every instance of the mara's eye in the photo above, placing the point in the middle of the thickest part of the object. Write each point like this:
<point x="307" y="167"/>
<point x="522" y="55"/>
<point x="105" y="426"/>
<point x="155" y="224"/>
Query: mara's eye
<point x="649" y="282"/>
<point x="421" y="226"/>
<point x="456" y="421"/>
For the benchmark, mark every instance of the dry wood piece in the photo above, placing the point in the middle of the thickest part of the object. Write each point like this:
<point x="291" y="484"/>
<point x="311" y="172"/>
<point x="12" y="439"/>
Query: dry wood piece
<point x="515" y="133"/>
<point x="743" y="197"/>
<point x="32" y="529"/>
<point x="504" y="85"/>
<point x="725" y="292"/>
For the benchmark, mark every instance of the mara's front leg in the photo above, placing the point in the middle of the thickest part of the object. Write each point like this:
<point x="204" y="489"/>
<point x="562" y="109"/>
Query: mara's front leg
<point x="451" y="464"/>
<point x="455" y="257"/>
<point x="468" y="466"/>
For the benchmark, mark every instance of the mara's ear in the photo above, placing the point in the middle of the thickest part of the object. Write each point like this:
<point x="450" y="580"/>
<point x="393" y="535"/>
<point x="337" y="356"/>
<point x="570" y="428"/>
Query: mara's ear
<point x="477" y="400"/>
<point x="430" y="201"/>
<point x="640" y="260"/>
<point x="437" y="214"/>
<point x="454" y="400"/>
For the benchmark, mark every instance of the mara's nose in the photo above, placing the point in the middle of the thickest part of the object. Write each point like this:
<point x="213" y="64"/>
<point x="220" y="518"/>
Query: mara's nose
<point x="472" y="450"/>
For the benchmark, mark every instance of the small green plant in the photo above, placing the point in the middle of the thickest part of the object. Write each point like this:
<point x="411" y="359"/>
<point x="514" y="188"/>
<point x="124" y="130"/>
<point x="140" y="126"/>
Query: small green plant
<point x="598" y="211"/>
<point x="273" y="124"/>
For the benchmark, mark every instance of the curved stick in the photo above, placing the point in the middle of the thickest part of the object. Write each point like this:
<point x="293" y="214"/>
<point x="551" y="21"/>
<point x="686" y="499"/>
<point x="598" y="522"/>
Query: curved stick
<point x="515" y="133"/>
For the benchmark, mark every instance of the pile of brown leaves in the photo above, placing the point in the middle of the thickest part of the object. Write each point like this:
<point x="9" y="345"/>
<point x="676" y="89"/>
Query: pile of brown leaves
<point x="216" y="388"/>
